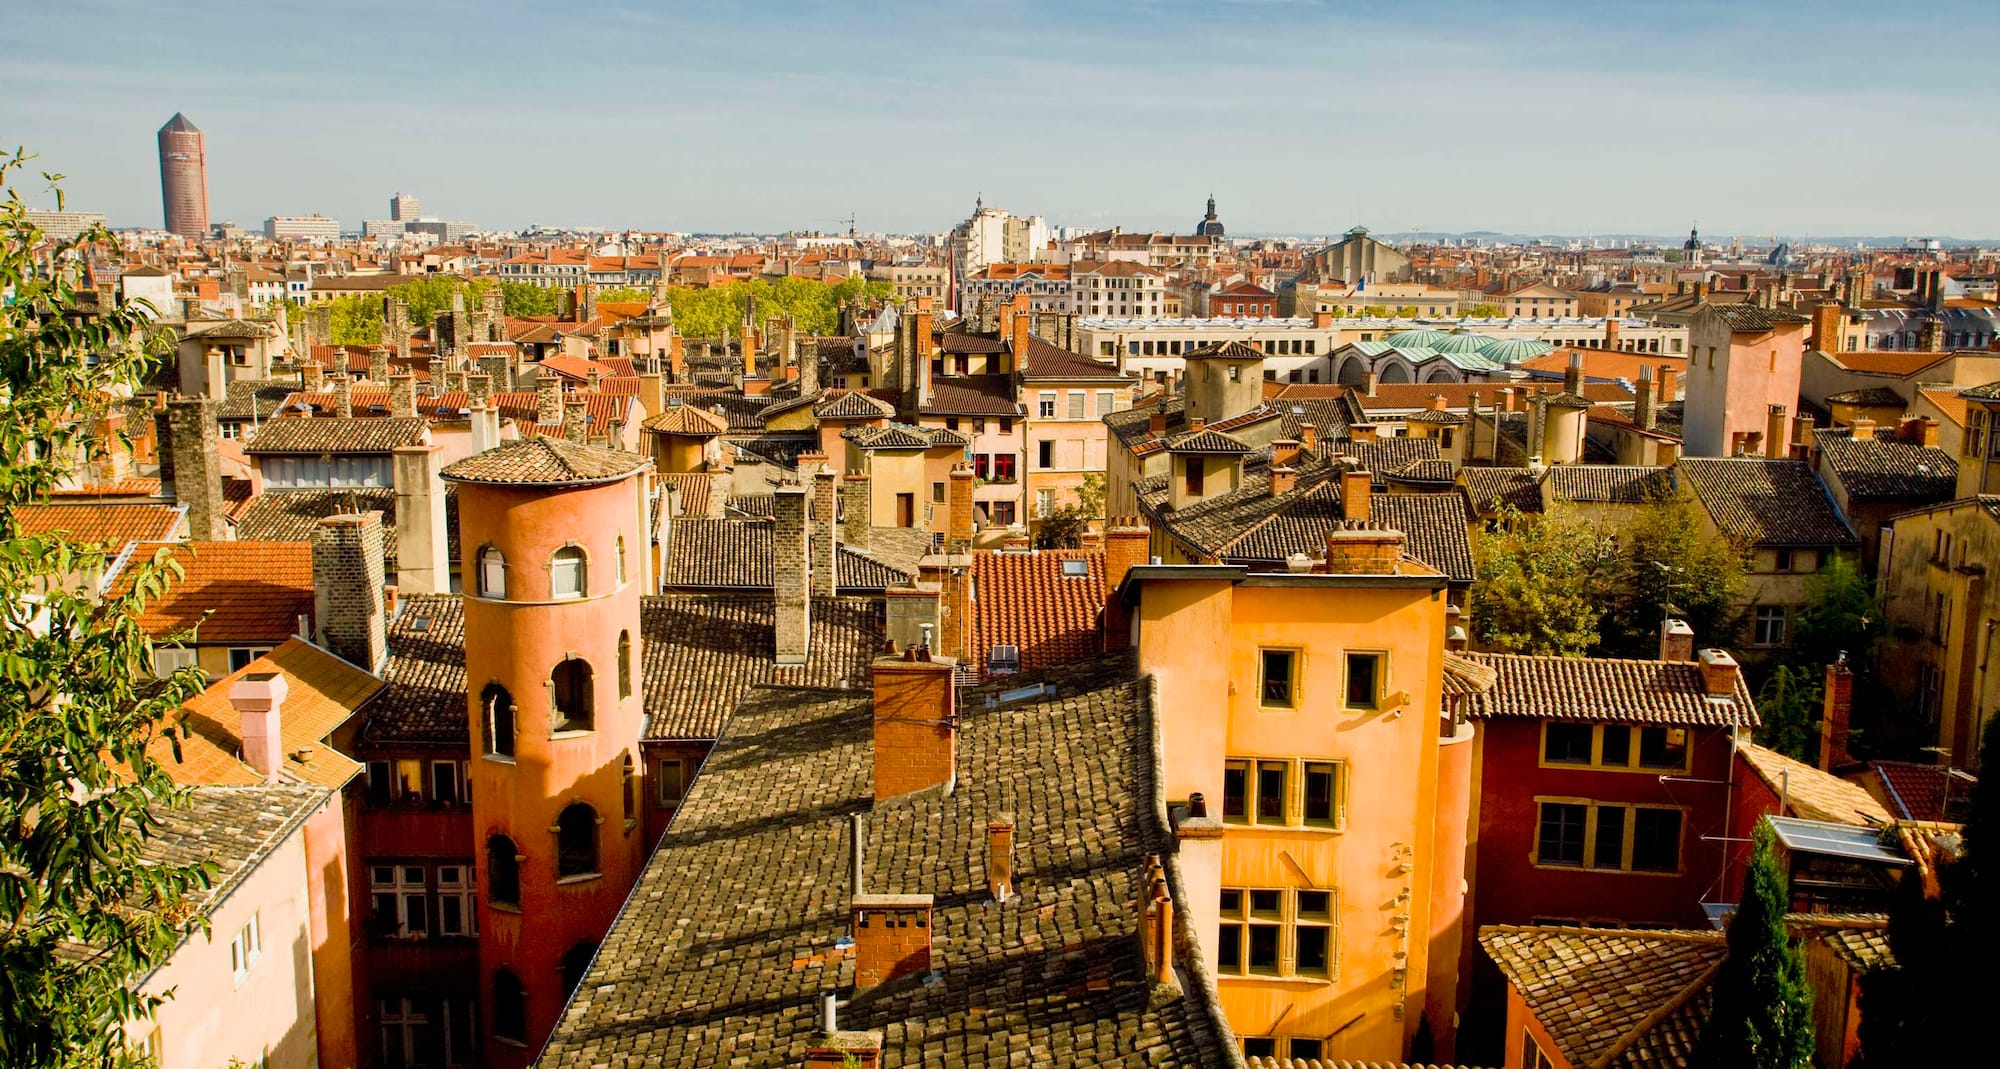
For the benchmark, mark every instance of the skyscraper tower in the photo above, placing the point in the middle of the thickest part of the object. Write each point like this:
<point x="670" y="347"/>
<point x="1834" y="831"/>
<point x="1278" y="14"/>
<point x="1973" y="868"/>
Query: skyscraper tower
<point x="556" y="558"/>
<point x="184" y="178"/>
<point x="403" y="208"/>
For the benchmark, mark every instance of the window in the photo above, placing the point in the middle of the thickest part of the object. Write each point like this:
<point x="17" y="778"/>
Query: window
<point x="576" y="841"/>
<point x="1002" y="512"/>
<point x="399" y="895"/>
<point x="566" y="573"/>
<point x="1364" y="680"/>
<point x="492" y="573"/>
<point x="503" y="872"/>
<point x="671" y="774"/>
<point x="1662" y="748"/>
<point x="1272" y="932"/>
<point x="1783" y="559"/>
<point x="241" y="656"/>
<point x="1045" y="454"/>
<point x="624" y="665"/>
<point x="1279" y="679"/>
<point x="628" y="789"/>
<point x="1601" y="835"/>
<point x="1076" y="402"/>
<point x="571" y="694"/>
<point x="1045" y="404"/>
<point x="1656" y="840"/>
<point x="446" y="783"/>
<point x="621" y="559"/>
<point x="1195" y="470"/>
<point x="937" y="491"/>
<point x="510" y="1008"/>
<point x="1045" y="503"/>
<point x="458" y="910"/>
<point x="1106" y="402"/>
<point x="499" y="716"/>
<point x="170" y="659"/>
<point x="1559" y="839"/>
<point x="1567" y="743"/>
<point x="245" y="948"/>
<point x="1322" y="804"/>
<point x="1618" y="747"/>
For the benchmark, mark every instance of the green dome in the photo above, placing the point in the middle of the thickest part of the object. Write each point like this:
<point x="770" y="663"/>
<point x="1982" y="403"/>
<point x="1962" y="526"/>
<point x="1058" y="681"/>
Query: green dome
<point x="1427" y="338"/>
<point x="1513" y="350"/>
<point x="1459" y="343"/>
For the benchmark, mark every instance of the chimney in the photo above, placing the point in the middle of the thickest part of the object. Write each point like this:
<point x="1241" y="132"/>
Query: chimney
<point x="1156" y="922"/>
<point x="845" y="1050"/>
<point x="916" y="724"/>
<point x="548" y="398"/>
<point x="1826" y="317"/>
<point x="478" y="389"/>
<point x="1438" y="402"/>
<point x="378" y="365"/>
<point x="437" y="375"/>
<point x="1156" y="424"/>
<point x="1802" y="435"/>
<point x="1285" y="452"/>
<point x="1775" y="425"/>
<point x="892" y="938"/>
<point x="1839" y="700"/>
<point x="403" y="396"/>
<point x="1644" y="415"/>
<point x="576" y="423"/>
<point x="1355" y="488"/>
<point x="1282" y="480"/>
<point x="348" y="599"/>
<point x="258" y="698"/>
<point x="1573" y="375"/>
<point x="825" y="530"/>
<point x="485" y="427"/>
<point x="677" y="358"/>
<point x="343" y="396"/>
<point x="1718" y="673"/>
<point x="193" y="469"/>
<point x="1019" y="340"/>
<point x="1676" y="640"/>
<point x="1127" y="543"/>
<point x="808" y="357"/>
<point x="1308" y="438"/>
<point x="1369" y="381"/>
<point x="1669" y="388"/>
<point x="423" y="564"/>
<point x="499" y="368"/>
<point x="1931" y="335"/>
<point x="1322" y="320"/>
<point x="1611" y="328"/>
<point x="1360" y="551"/>
<point x="1196" y="423"/>
<point x="856" y="511"/>
<point x="747" y="347"/>
<point x="1000" y="857"/>
<point x="958" y="503"/>
<point x="311" y="378"/>
<point x="1863" y="428"/>
<point x="790" y="573"/>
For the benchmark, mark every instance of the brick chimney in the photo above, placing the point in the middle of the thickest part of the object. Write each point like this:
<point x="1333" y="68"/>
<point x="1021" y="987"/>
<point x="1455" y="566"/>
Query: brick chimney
<point x="423" y="563"/>
<point x="343" y="396"/>
<point x="1669" y="385"/>
<point x="349" y="604"/>
<point x="1355" y="489"/>
<point x="1834" y="714"/>
<point x="1919" y="430"/>
<point x="258" y="698"/>
<point x="857" y="510"/>
<point x="825" y="529"/>
<point x="747" y="344"/>
<point x="1863" y="428"/>
<point x="1775" y="425"/>
<point x="548" y="397"/>
<point x="1826" y="319"/>
<point x="1156" y="424"/>
<point x="1718" y="673"/>
<point x="1930" y="337"/>
<point x="892" y="938"/>
<point x="1308" y="437"/>
<point x="1285" y="452"/>
<point x="677" y="358"/>
<point x="1282" y="480"/>
<point x="191" y="469"/>
<point x="1322" y="320"/>
<point x="916" y="724"/>
<point x="1611" y="328"/>
<point x="1000" y="857"/>
<point x="1644" y="415"/>
<point x="1196" y="423"/>
<point x="1361" y="551"/>
<point x="403" y="396"/>
<point x="1018" y="341"/>
<point x="958" y="504"/>
<point x="791" y="573"/>
<point x="1573" y="374"/>
<point x="1676" y="640"/>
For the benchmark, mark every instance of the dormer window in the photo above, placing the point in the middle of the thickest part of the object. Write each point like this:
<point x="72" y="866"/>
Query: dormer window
<point x="567" y="578"/>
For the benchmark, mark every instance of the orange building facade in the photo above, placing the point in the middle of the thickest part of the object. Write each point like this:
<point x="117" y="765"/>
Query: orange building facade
<point x="1325" y="864"/>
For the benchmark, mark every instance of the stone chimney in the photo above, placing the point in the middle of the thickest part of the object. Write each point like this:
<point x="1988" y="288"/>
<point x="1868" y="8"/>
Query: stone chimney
<point x="791" y="578"/>
<point x="191" y="469"/>
<point x="378" y="365"/>
<point x="478" y="389"/>
<point x="311" y="378"/>
<point x="825" y="528"/>
<point x="423" y="563"/>
<point x="916" y="724"/>
<point x="1718" y="673"/>
<point x="576" y="421"/>
<point x="1863" y="428"/>
<point x="348" y="600"/>
<point x="343" y="396"/>
<point x="1356" y="487"/>
<point x="1573" y="374"/>
<point x="1282" y="480"/>
<point x="857" y="518"/>
<point x="808" y="356"/>
<point x="499" y="368"/>
<point x="958" y="505"/>
<point x="1369" y="381"/>
<point x="259" y="698"/>
<point x="1000" y="857"/>
<point x="1776" y="446"/>
<point x="1676" y="640"/>
<point x="892" y="938"/>
<point x="403" y="396"/>
<point x="437" y="375"/>
<point x="1930" y="336"/>
<point x="548" y="398"/>
<point x="1644" y="415"/>
<point x="1838" y="703"/>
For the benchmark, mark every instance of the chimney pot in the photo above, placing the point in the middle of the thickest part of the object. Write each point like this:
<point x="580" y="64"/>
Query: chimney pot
<point x="1356" y="487"/>
<point x="1000" y="857"/>
<point x="259" y="698"/>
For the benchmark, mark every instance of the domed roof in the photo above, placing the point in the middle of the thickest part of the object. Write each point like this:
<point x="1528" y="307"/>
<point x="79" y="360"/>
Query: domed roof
<point x="1460" y="343"/>
<point x="1428" y="338"/>
<point x="1513" y="350"/>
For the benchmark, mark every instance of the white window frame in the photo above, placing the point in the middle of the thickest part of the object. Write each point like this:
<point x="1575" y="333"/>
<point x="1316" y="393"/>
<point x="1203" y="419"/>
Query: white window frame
<point x="170" y="659"/>
<point x="245" y="948"/>
<point x="492" y="572"/>
<point x="247" y="655"/>
<point x="569" y="572"/>
<point x="405" y="884"/>
<point x="456" y="883"/>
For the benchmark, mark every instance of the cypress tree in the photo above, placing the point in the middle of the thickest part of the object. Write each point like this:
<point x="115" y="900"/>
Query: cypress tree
<point x="1762" y="1016"/>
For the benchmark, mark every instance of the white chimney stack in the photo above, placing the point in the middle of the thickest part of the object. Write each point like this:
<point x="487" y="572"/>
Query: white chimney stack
<point x="258" y="698"/>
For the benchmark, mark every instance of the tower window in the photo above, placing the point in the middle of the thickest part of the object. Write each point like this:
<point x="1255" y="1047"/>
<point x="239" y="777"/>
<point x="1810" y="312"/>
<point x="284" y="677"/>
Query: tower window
<point x="571" y="695"/>
<point x="567" y="578"/>
<point x="492" y="573"/>
<point x="510" y="1008"/>
<point x="624" y="665"/>
<point x="498" y="708"/>
<point x="627" y="788"/>
<point x="503" y="872"/>
<point x="576" y="841"/>
<point x="621" y="558"/>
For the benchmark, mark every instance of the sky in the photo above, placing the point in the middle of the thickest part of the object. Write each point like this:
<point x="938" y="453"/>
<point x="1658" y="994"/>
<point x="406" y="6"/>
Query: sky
<point x="1301" y="116"/>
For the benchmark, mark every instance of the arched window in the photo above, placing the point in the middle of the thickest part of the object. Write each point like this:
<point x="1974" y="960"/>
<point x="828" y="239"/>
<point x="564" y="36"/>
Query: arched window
<point x="498" y="708"/>
<point x="510" y="1007"/>
<point x="575" y="963"/>
<point x="576" y="841"/>
<point x="503" y="872"/>
<point x="627" y="789"/>
<point x="567" y="573"/>
<point x="571" y="691"/>
<point x="492" y="572"/>
<point x="624" y="664"/>
<point x="621" y="558"/>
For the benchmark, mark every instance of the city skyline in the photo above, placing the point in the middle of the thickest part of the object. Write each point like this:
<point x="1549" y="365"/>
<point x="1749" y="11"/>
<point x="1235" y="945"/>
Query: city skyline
<point x="1555" y="121"/>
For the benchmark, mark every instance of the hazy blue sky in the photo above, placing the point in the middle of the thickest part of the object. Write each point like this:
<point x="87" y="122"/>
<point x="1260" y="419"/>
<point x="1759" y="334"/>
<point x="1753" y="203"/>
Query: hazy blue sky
<point x="1303" y="117"/>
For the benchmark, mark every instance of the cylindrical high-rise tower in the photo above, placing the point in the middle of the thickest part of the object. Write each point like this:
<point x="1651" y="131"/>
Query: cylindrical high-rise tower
<point x="554" y="564"/>
<point x="184" y="178"/>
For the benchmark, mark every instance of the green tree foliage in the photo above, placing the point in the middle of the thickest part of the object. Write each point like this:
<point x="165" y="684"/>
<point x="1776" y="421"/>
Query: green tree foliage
<point x="1062" y="528"/>
<point x="1540" y="587"/>
<point x="1790" y="703"/>
<point x="1840" y="615"/>
<point x="1090" y="494"/>
<point x="1486" y="311"/>
<point x="356" y="320"/>
<point x="1762" y="1015"/>
<point x="81" y="914"/>
<point x="1668" y="555"/>
<point x="1408" y="311"/>
<point x="624" y="293"/>
<point x="527" y="299"/>
<point x="1375" y="311"/>
<point x="718" y="311"/>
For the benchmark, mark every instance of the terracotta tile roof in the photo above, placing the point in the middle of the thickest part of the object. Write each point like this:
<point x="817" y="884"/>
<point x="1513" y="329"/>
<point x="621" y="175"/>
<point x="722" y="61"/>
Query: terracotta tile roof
<point x="424" y="701"/>
<point x="330" y="434"/>
<point x="1047" y="361"/>
<point x="1872" y="397"/>
<point x="546" y="462"/>
<point x="1860" y="940"/>
<point x="1925" y="792"/>
<point x="1045" y="604"/>
<point x="1609" y="484"/>
<point x="972" y="395"/>
<point x="1898" y="362"/>
<point x="1765" y="502"/>
<point x="233" y="828"/>
<point x="692" y="964"/>
<point x="1384" y="457"/>
<point x="1600" y="992"/>
<point x="577" y="368"/>
<point x="1207" y="441"/>
<point x="1603" y="363"/>
<point x="324" y="692"/>
<point x="705" y="653"/>
<point x="902" y="436"/>
<point x="954" y="342"/>
<point x="1392" y="397"/>
<point x="687" y="421"/>
<point x="291" y="515"/>
<point x="1745" y="318"/>
<point x="236" y="591"/>
<point x="1433" y="527"/>
<point x="1464" y="676"/>
<point x="692" y="492"/>
<point x="129" y="486"/>
<point x="1607" y="690"/>
<point x="254" y="398"/>
<point x="1811" y="793"/>
<point x="1508" y="486"/>
<point x="851" y="404"/>
<point x="1224" y="350"/>
<point x="1877" y="468"/>
<point x="100" y="524"/>
<point x="1948" y="403"/>
<point x="704" y="554"/>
